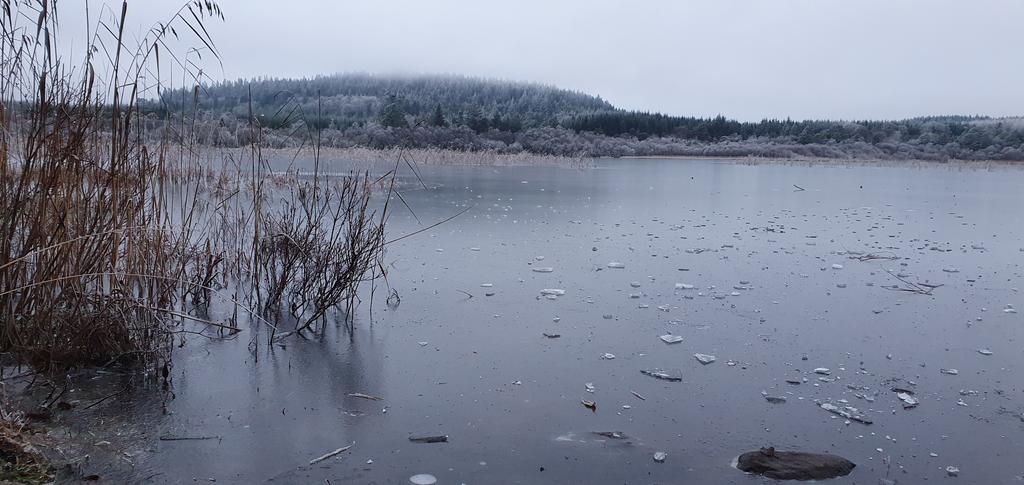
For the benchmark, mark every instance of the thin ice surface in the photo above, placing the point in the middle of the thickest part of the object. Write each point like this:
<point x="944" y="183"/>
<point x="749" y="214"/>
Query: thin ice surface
<point x="705" y="224"/>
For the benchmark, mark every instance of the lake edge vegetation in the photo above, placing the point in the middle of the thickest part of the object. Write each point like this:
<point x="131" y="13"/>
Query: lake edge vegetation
<point x="475" y="115"/>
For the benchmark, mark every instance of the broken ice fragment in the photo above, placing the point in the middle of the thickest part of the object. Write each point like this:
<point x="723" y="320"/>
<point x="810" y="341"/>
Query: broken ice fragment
<point x="908" y="400"/>
<point x="847" y="412"/>
<point x="823" y="371"/>
<point x="591" y="405"/>
<point x="616" y="265"/>
<point x="552" y="292"/>
<point x="663" y="375"/>
<point x="659" y="456"/>
<point x="422" y="479"/>
<point x="951" y="372"/>
<point x="543" y="270"/>
<point x="671" y="339"/>
<point x="704" y="358"/>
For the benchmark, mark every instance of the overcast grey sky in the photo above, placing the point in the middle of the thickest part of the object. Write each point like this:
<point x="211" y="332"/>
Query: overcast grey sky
<point x="745" y="59"/>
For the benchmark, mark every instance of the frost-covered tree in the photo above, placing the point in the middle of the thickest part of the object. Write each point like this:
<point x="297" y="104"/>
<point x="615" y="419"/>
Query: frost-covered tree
<point x="392" y="115"/>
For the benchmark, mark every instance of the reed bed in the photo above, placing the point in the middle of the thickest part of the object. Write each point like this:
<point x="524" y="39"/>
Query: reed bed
<point x="115" y="243"/>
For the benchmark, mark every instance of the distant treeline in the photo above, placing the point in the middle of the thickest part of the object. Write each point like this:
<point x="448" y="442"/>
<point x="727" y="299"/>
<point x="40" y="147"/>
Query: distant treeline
<point x="463" y="113"/>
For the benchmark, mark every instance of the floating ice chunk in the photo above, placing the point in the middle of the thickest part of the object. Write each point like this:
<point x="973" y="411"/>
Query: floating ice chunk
<point x="984" y="351"/>
<point x="684" y="286"/>
<point x="908" y="400"/>
<point x="951" y="270"/>
<point x="543" y="270"/>
<point x="662" y="374"/>
<point x="608" y="356"/>
<point x="616" y="265"/>
<point x="423" y="479"/>
<point x="951" y="372"/>
<point x="552" y="292"/>
<point x="952" y="471"/>
<point x="847" y="412"/>
<point x="671" y="339"/>
<point x="823" y="371"/>
<point x="704" y="358"/>
<point x="660" y="456"/>
<point x="589" y="386"/>
<point x="837" y="266"/>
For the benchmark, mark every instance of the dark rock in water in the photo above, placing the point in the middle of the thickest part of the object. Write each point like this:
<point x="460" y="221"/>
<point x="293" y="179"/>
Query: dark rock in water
<point x="794" y="465"/>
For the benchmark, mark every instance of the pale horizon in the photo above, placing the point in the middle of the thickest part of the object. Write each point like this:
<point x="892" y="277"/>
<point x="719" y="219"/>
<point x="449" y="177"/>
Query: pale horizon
<point x="745" y="60"/>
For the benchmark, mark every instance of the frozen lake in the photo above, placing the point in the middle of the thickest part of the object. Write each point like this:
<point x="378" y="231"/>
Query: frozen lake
<point x="784" y="281"/>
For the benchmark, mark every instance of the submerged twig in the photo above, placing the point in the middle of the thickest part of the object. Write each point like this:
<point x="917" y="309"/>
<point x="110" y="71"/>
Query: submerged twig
<point x="911" y="287"/>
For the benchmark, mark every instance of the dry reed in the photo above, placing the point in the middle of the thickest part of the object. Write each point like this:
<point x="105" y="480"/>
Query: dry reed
<point x="111" y="241"/>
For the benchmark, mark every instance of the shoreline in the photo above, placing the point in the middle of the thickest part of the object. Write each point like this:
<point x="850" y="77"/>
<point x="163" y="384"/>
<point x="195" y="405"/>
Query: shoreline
<point x="375" y="157"/>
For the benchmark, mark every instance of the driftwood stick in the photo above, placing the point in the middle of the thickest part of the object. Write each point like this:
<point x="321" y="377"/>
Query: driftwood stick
<point x="336" y="452"/>
<point x="188" y="438"/>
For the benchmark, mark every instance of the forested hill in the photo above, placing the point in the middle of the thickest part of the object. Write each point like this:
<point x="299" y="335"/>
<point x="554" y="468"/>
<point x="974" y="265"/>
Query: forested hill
<point x="348" y="99"/>
<point x="464" y="113"/>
